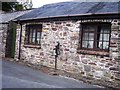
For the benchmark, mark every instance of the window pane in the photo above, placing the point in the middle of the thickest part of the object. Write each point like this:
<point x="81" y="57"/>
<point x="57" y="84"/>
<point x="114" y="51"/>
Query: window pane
<point x="38" y="41"/>
<point x="38" y="38"/>
<point x="38" y="34"/>
<point x="33" y="40"/>
<point x="30" y="32"/>
<point x="105" y="45"/>
<point x="87" y="44"/>
<point x="90" y="44"/>
<point x="101" y="36"/>
<point x="105" y="29"/>
<point x="91" y="36"/>
<point x="89" y="28"/>
<point x="34" y="32"/>
<point x="85" y="36"/>
<point x="84" y="44"/>
<point x="100" y="45"/>
<point x="102" y="30"/>
<point x="106" y="37"/>
<point x="30" y="39"/>
<point x="85" y="28"/>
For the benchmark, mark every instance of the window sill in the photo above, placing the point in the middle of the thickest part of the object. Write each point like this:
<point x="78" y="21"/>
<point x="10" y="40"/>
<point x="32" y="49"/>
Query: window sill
<point x="32" y="46"/>
<point x="98" y="53"/>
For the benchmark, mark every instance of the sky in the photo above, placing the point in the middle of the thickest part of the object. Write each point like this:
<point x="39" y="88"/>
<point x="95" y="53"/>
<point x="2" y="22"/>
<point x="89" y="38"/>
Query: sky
<point x="39" y="3"/>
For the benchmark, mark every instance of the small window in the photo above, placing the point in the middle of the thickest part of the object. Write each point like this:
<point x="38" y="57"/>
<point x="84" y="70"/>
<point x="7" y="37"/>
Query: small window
<point x="95" y="36"/>
<point x="33" y="34"/>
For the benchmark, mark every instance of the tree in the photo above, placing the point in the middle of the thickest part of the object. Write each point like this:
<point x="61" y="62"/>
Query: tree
<point x="8" y="6"/>
<point x="27" y="4"/>
<point x="16" y="6"/>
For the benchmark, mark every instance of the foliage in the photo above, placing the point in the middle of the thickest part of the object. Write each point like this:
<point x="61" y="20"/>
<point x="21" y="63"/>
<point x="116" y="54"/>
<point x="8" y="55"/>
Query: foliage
<point x="15" y="6"/>
<point x="27" y="4"/>
<point x="8" y="6"/>
<point x="18" y="7"/>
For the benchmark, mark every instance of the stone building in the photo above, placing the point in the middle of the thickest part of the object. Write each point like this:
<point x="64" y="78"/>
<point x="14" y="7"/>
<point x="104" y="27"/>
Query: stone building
<point x="88" y="34"/>
<point x="8" y="33"/>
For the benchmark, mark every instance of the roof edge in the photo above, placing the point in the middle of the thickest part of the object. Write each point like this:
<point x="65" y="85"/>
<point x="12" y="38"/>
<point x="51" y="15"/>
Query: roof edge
<point x="65" y="16"/>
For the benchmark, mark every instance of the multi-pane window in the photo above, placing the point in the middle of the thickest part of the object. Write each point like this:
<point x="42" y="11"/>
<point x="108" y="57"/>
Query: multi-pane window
<point x="33" y="34"/>
<point x="88" y="36"/>
<point x="95" y="36"/>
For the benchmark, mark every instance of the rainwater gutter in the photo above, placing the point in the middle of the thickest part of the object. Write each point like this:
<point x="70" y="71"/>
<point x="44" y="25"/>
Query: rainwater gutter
<point x="20" y="39"/>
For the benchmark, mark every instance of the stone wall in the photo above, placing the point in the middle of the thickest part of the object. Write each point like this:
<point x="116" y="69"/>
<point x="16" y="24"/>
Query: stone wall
<point x="67" y="33"/>
<point x="3" y="36"/>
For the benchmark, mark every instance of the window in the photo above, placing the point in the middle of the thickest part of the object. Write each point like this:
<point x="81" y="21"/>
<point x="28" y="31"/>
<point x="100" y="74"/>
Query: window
<point x="33" y="34"/>
<point x="95" y="36"/>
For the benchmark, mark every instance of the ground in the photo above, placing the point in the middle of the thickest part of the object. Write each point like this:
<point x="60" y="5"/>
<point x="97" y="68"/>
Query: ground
<point x="16" y="75"/>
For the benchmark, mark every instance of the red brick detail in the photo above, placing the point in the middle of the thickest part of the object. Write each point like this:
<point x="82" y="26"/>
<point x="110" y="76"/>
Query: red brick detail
<point x="54" y="29"/>
<point x="92" y="63"/>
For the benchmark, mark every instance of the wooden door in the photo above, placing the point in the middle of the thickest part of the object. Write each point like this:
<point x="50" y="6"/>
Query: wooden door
<point x="11" y="40"/>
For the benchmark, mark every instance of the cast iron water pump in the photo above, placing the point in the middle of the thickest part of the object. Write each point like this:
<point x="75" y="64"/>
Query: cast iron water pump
<point x="57" y="52"/>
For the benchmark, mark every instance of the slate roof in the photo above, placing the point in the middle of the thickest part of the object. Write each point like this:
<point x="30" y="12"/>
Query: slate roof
<point x="71" y="8"/>
<point x="6" y="17"/>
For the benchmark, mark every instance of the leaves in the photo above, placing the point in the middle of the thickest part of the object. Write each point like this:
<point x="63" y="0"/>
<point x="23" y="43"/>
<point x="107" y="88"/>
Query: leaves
<point x="15" y="6"/>
<point x="18" y="7"/>
<point x="8" y="6"/>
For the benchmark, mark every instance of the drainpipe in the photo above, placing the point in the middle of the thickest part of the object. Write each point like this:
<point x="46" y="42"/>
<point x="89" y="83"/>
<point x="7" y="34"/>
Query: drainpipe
<point x="20" y="39"/>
